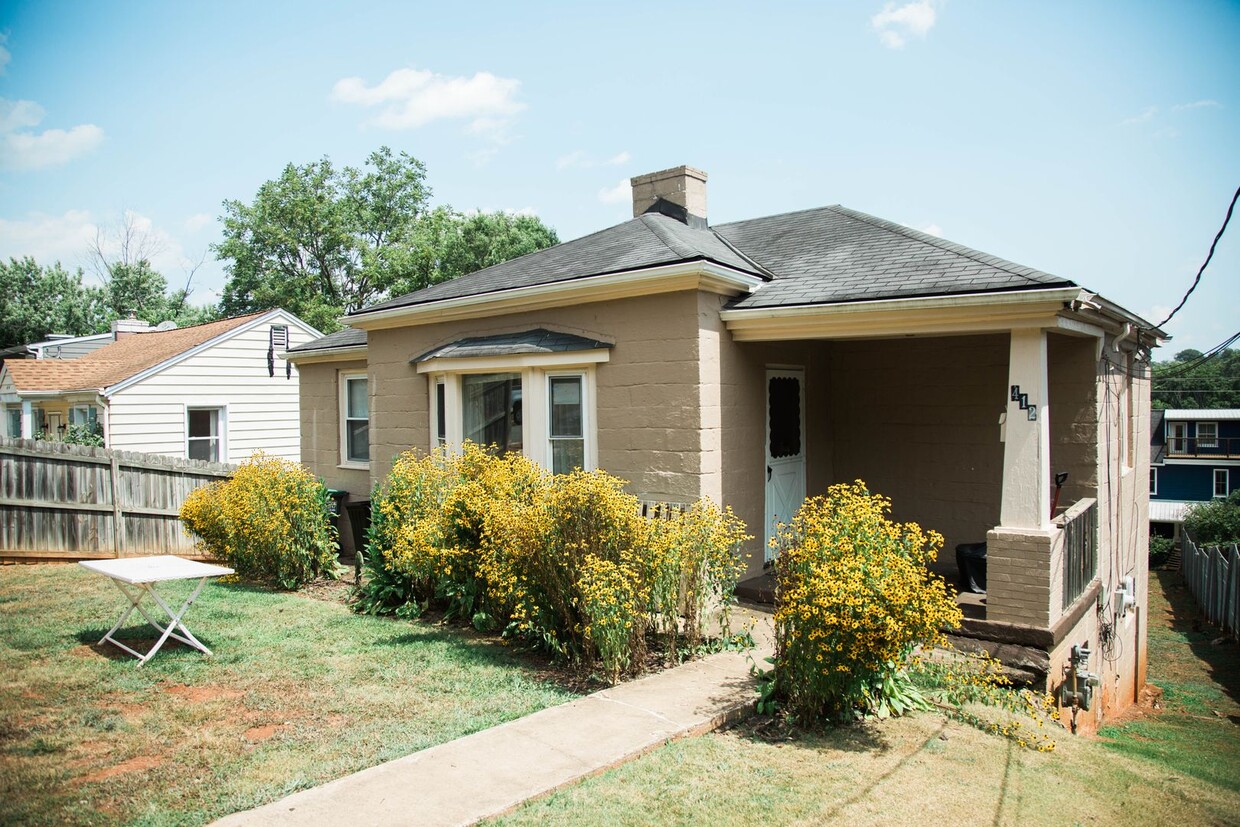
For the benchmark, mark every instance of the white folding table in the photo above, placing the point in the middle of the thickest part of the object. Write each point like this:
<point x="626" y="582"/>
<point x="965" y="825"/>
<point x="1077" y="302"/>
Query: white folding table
<point x="136" y="577"/>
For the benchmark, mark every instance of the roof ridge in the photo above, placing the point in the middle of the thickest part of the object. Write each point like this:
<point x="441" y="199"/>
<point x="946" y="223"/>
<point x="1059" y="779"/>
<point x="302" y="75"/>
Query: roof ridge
<point x="996" y="262"/>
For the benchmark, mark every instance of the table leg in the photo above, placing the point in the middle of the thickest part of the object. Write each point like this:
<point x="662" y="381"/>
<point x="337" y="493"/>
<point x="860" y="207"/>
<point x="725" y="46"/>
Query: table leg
<point x="135" y="595"/>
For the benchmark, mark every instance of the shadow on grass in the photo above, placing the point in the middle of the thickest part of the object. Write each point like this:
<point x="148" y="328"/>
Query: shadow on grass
<point x="138" y="638"/>
<point x="1222" y="661"/>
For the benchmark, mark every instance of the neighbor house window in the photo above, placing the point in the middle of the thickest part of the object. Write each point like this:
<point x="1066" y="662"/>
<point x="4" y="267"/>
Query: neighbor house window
<point x="1222" y="482"/>
<point x="1153" y="480"/>
<point x="86" y="416"/>
<point x="355" y="418"/>
<point x="491" y="409"/>
<point x="1207" y="434"/>
<point x="566" y="404"/>
<point x="204" y="433"/>
<point x="14" y="419"/>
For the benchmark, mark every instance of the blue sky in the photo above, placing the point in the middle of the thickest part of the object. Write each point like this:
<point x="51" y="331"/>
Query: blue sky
<point x="1097" y="141"/>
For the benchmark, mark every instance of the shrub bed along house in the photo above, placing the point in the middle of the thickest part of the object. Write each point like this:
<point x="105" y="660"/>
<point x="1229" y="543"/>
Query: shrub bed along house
<point x="565" y="562"/>
<point x="269" y="521"/>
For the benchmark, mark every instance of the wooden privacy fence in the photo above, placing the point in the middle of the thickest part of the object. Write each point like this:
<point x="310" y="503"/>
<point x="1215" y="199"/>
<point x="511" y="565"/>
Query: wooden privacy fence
<point x="75" y="502"/>
<point x="1213" y="576"/>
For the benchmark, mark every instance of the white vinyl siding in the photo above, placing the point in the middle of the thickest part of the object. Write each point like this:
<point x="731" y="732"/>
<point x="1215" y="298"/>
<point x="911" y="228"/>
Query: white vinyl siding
<point x="263" y="410"/>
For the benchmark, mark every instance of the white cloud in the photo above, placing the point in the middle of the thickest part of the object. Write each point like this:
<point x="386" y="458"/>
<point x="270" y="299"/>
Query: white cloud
<point x="580" y="159"/>
<point x="618" y="194"/>
<point x="933" y="229"/>
<point x="411" y="98"/>
<point x="896" y="24"/>
<point x="1201" y="104"/>
<point x="21" y="148"/>
<point x="68" y="238"/>
<point x="197" y="221"/>
<point x="1146" y="115"/>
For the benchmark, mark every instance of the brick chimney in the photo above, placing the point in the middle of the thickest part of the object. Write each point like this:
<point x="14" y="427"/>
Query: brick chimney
<point x="679" y="192"/>
<point x="129" y="326"/>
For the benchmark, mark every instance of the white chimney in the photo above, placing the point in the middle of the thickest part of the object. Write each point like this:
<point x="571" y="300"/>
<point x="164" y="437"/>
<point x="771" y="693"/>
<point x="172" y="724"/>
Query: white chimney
<point x="678" y="193"/>
<point x="127" y="327"/>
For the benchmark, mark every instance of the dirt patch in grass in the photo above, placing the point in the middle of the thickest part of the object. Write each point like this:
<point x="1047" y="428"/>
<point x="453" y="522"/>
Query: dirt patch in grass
<point x="202" y="694"/>
<point x="262" y="733"/>
<point x="139" y="763"/>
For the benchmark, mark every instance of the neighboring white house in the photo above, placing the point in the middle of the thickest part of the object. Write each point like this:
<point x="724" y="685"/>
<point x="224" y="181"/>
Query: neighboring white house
<point x="218" y="391"/>
<point x="59" y="346"/>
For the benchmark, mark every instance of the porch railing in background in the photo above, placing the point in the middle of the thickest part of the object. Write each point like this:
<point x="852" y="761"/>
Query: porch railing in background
<point x="1212" y="574"/>
<point x="1080" y="548"/>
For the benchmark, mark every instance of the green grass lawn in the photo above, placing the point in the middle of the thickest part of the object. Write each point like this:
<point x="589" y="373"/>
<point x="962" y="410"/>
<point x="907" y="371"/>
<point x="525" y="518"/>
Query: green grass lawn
<point x="299" y="691"/>
<point x="1178" y="765"/>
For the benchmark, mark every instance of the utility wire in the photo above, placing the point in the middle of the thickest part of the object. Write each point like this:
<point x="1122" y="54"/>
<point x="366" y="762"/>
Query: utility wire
<point x="1213" y="244"/>
<point x="1212" y="353"/>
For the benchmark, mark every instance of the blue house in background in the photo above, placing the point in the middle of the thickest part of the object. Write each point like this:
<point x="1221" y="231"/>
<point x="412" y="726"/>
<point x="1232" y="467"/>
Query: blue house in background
<point x="1194" y="457"/>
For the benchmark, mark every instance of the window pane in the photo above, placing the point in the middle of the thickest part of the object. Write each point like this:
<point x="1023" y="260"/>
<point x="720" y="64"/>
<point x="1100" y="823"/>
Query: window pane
<point x="567" y="454"/>
<point x="359" y="405"/>
<point x="15" y="423"/>
<point x="784" y="395"/>
<point x="204" y="422"/>
<point x="491" y="406"/>
<point x="359" y="440"/>
<point x="208" y="449"/>
<point x="441" y="413"/>
<point x="566" y="406"/>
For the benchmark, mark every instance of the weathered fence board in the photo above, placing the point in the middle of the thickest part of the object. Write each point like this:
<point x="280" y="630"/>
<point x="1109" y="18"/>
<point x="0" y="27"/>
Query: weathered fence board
<point x="62" y="501"/>
<point x="1212" y="574"/>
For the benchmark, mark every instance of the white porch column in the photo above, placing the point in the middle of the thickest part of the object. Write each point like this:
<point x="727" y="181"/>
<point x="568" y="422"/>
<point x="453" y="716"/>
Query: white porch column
<point x="1027" y="449"/>
<point x="27" y="419"/>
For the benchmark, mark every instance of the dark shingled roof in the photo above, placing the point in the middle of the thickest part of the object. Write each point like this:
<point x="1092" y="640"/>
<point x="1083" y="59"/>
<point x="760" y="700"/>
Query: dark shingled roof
<point x="646" y="241"/>
<point x="506" y="344"/>
<point x="834" y="254"/>
<point x="349" y="337"/>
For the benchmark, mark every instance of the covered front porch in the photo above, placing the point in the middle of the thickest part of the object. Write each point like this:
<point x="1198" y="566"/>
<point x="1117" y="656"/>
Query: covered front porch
<point x="965" y="433"/>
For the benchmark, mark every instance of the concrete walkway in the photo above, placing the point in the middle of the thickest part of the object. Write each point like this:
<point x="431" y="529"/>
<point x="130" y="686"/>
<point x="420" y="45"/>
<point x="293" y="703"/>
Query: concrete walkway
<point x="493" y="771"/>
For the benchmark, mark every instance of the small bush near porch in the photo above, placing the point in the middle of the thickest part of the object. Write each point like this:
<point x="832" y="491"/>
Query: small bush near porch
<point x="564" y="562"/>
<point x="299" y="691"/>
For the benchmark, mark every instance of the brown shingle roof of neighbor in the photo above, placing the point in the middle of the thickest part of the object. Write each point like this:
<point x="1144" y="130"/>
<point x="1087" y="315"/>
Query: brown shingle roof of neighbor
<point x="126" y="357"/>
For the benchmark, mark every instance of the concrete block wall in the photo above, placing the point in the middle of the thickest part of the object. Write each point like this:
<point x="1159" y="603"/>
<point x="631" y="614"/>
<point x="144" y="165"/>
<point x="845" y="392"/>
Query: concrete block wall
<point x="1019" y="589"/>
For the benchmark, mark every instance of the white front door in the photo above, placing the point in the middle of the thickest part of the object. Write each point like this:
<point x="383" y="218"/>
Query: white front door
<point x="785" y="448"/>
<point x="1177" y="437"/>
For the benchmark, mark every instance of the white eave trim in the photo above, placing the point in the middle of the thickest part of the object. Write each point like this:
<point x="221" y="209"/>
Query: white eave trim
<point x="515" y="361"/>
<point x="928" y="315"/>
<point x="334" y="354"/>
<point x="700" y="275"/>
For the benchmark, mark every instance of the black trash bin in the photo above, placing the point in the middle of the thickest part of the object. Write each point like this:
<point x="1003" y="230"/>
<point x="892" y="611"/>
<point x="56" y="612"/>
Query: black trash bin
<point x="971" y="560"/>
<point x="359" y="519"/>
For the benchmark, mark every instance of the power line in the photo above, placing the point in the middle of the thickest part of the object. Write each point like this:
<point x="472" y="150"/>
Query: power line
<point x="1210" y="354"/>
<point x="1209" y="256"/>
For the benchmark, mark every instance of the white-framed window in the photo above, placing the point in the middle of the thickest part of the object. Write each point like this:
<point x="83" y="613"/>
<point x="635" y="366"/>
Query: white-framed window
<point x="1222" y="482"/>
<point x="566" y="421"/>
<point x="354" y="419"/>
<point x="204" y="433"/>
<point x="87" y="416"/>
<point x="1153" y="480"/>
<point x="1207" y="434"/>
<point x="439" y="424"/>
<point x="545" y="409"/>
<point x="13" y="419"/>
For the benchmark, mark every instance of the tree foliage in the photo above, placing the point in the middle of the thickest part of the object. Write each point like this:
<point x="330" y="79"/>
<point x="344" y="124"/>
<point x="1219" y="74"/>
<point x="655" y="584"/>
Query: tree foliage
<point x="321" y="241"/>
<point x="37" y="301"/>
<point x="1191" y="380"/>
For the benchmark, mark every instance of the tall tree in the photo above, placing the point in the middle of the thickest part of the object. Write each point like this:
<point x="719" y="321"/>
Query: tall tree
<point x="320" y="241"/>
<point x="37" y="301"/>
<point x="1196" y="380"/>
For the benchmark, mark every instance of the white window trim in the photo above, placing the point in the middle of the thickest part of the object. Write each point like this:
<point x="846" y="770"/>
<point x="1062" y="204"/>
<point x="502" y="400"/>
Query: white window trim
<point x="535" y="420"/>
<point x="1226" y="472"/>
<point x="590" y="448"/>
<point x="222" y="424"/>
<point x="1153" y="481"/>
<point x="343" y="379"/>
<point x="1202" y="443"/>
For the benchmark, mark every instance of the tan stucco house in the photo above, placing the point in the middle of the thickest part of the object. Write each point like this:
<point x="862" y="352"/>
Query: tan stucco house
<point x="759" y="361"/>
<point x="218" y="391"/>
